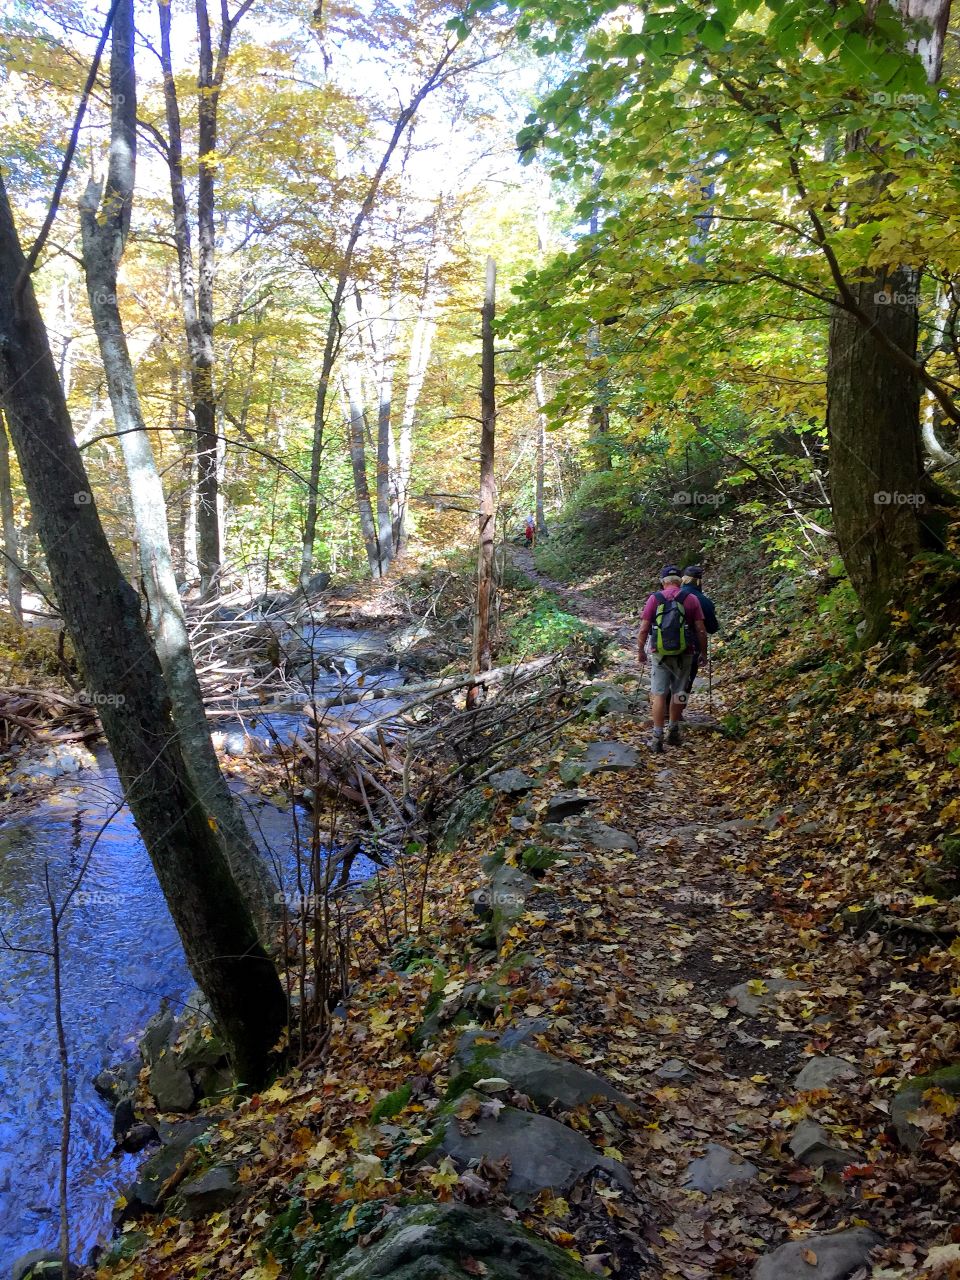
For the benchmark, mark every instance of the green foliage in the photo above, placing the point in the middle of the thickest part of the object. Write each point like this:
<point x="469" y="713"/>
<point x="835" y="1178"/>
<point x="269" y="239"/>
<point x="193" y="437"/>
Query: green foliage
<point x="543" y="626"/>
<point x="391" y="1105"/>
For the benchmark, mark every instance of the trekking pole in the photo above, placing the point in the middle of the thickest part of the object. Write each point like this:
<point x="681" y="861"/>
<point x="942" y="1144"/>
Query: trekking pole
<point x="709" y="678"/>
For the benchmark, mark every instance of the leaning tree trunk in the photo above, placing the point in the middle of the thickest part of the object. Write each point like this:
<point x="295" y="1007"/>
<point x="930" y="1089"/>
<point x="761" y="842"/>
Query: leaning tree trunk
<point x="541" y="462"/>
<point x="102" y="613"/>
<point x="482" y="660"/>
<point x="104" y="225"/>
<point x="353" y="393"/>
<point x="880" y="494"/>
<point x="11" y="544"/>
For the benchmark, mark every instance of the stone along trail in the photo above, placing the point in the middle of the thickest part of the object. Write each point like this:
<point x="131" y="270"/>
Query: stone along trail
<point x="682" y="978"/>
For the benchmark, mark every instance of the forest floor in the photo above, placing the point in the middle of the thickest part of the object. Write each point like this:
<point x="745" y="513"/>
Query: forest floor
<point x="740" y="937"/>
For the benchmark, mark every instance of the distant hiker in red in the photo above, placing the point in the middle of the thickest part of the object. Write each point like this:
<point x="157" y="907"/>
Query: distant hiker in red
<point x="529" y="530"/>
<point x="671" y="632"/>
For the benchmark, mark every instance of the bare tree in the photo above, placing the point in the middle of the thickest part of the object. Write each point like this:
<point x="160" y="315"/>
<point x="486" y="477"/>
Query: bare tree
<point x="481" y="660"/>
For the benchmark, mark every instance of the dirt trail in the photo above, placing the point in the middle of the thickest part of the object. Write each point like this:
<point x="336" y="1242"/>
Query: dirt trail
<point x="675" y="928"/>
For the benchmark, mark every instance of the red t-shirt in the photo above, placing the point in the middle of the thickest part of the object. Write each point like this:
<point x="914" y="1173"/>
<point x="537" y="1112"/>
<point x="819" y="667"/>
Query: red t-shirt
<point x="691" y="607"/>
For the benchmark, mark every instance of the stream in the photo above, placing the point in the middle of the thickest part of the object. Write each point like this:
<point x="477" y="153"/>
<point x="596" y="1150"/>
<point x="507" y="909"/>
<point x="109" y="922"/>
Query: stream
<point x="121" y="954"/>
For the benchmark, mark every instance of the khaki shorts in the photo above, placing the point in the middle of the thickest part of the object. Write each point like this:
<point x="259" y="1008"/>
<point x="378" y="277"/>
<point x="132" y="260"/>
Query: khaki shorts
<point x="670" y="676"/>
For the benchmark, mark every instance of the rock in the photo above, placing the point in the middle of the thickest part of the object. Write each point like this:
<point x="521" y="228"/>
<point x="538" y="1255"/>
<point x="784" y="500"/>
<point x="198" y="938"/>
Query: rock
<point x="753" y="1003"/>
<point x="473" y="806"/>
<point x="909" y="1098"/>
<point x="176" y="1140"/>
<point x="543" y="1153"/>
<point x="717" y="1168"/>
<point x="57" y="761"/>
<point x="590" y="831"/>
<point x="40" y="1264"/>
<point x="838" y="1256"/>
<point x="601" y="756"/>
<point x="571" y="771"/>
<point x="319" y="582"/>
<point x="811" y="1145"/>
<point x="511" y="782"/>
<point x="821" y="1073"/>
<point x="159" y="1034"/>
<point x="170" y="1084"/>
<point x="211" y="1192"/>
<point x="542" y="1077"/>
<point x="506" y="899"/>
<point x="562" y="804"/>
<point x="520" y="823"/>
<point x="607" y="700"/>
<point x="454" y="1242"/>
<point x="137" y="1137"/>
<point x="201" y="1048"/>
<point x="675" y="1071"/>
<point x="119" y="1081"/>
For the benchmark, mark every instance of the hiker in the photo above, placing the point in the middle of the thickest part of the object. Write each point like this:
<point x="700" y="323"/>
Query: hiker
<point x="529" y="530"/>
<point x="691" y="584"/>
<point x="671" y="630"/>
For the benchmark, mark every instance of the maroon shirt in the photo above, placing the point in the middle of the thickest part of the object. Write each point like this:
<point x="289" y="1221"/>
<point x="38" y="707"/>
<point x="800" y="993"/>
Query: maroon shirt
<point x="691" y="607"/>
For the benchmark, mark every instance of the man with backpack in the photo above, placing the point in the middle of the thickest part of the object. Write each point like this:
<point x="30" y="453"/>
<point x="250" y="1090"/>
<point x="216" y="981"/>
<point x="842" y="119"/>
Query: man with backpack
<point x="671" y="632"/>
<point x="691" y="585"/>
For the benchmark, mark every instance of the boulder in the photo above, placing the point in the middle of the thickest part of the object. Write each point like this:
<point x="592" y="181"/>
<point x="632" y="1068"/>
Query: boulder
<point x="753" y="1003"/>
<point x="835" y="1257"/>
<point x="119" y="1081"/>
<point x="159" y="1034"/>
<point x="590" y="831"/>
<point x="601" y="756"/>
<point x="543" y="1154"/>
<point x="563" y="804"/>
<point x="176" y="1139"/>
<point x="542" y="1077"/>
<point x="511" y="782"/>
<point x="607" y="700"/>
<point x="505" y="898"/>
<point x="319" y="582"/>
<point x="170" y="1084"/>
<point x="210" y="1192"/>
<point x="909" y="1099"/>
<point x="717" y="1168"/>
<point x="40" y="1264"/>
<point x="821" y="1073"/>
<point x="811" y="1145"/>
<point x="454" y="1242"/>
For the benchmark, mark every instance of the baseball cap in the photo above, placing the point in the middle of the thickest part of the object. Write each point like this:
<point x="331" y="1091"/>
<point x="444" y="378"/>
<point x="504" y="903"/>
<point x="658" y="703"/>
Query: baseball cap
<point x="693" y="571"/>
<point x="670" y="571"/>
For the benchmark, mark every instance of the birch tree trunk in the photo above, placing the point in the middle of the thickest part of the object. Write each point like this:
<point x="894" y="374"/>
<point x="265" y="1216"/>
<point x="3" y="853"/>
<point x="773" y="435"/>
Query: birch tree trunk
<point x="102" y="615"/>
<point x="353" y="394"/>
<point x="197" y="293"/>
<point x="488" y="486"/>
<point x="105" y="223"/>
<point x="417" y="363"/>
<point x="541" y="463"/>
<point x="11" y="545"/>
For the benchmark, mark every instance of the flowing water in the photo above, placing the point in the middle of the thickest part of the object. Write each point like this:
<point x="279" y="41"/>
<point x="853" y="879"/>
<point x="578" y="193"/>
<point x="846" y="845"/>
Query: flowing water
<point x="121" y="954"/>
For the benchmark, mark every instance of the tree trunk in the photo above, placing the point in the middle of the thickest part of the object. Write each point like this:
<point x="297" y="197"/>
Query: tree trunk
<point x="879" y="491"/>
<point x="197" y="296"/>
<point x="11" y="544"/>
<point x="417" y="362"/>
<point x="434" y="77"/>
<point x="385" y="335"/>
<point x="541" y="449"/>
<point x="353" y="394"/>
<point x="104" y="225"/>
<point x="488" y="485"/>
<point x="102" y="614"/>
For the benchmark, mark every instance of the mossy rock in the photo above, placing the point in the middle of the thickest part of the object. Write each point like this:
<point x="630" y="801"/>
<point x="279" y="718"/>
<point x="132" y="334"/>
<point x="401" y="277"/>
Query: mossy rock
<point x="473" y="806"/>
<point x="910" y="1098"/>
<point x="446" y="1242"/>
<point x="536" y="858"/>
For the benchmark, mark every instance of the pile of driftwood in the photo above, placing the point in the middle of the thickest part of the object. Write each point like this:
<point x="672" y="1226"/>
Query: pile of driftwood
<point x="33" y="714"/>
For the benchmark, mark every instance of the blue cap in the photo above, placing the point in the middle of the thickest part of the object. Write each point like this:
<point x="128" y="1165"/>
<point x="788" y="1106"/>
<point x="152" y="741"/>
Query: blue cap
<point x="670" y="571"/>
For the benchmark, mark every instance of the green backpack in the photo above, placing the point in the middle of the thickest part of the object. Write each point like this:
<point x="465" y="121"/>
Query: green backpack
<point x="669" y="626"/>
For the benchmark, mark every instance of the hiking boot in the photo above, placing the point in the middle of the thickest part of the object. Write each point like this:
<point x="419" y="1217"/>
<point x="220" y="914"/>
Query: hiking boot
<point x="673" y="734"/>
<point x="656" y="744"/>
